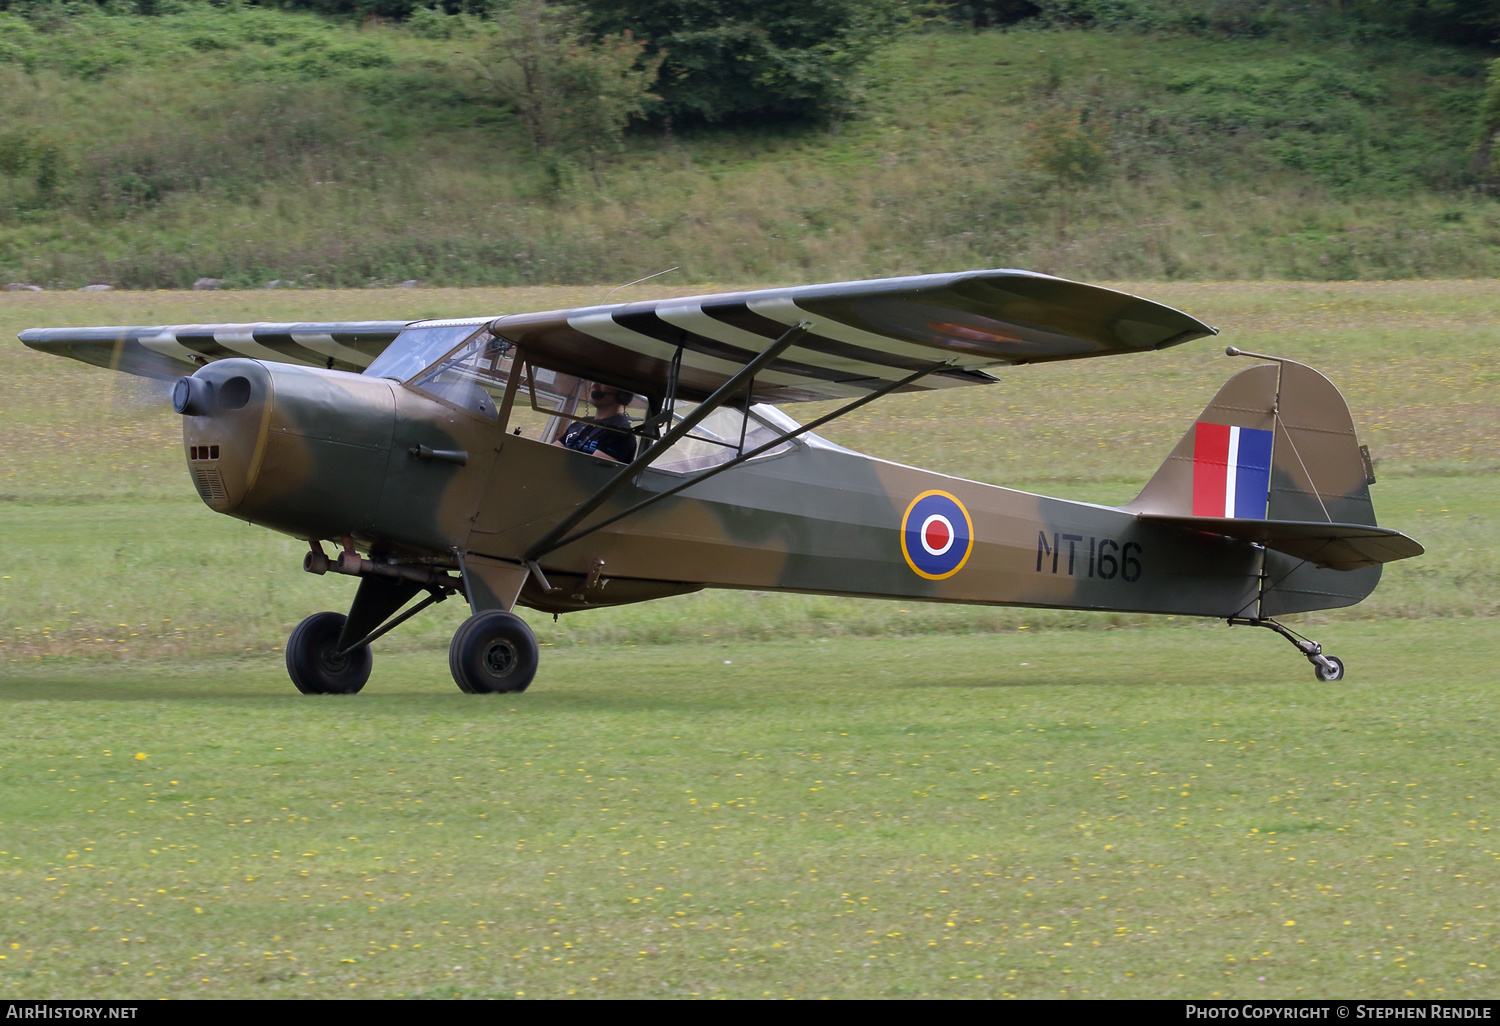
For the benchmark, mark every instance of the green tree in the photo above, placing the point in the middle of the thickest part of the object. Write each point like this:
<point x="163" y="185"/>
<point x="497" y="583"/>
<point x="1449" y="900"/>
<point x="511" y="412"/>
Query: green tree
<point x="573" y="94"/>
<point x="730" y="60"/>
<point x="1466" y="22"/>
<point x="985" y="13"/>
<point x="1489" y="124"/>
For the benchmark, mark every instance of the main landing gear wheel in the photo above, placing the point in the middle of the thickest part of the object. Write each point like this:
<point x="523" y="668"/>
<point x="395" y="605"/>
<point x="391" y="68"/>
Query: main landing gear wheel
<point x="493" y="652"/>
<point x="314" y="663"/>
<point x="1329" y="670"/>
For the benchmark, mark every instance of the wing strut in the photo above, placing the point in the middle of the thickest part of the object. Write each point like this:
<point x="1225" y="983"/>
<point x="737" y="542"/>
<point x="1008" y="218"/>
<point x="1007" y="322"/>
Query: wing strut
<point x="743" y="456"/>
<point x="726" y="391"/>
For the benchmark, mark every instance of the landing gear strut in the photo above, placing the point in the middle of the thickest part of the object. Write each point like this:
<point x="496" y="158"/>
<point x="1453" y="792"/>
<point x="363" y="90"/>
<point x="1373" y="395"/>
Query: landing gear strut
<point x="329" y="653"/>
<point x="1327" y="668"/>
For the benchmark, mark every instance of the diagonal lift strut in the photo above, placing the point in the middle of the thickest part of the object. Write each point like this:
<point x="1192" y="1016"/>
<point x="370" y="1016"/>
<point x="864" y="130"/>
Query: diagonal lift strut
<point x="726" y="391"/>
<point x="557" y="538"/>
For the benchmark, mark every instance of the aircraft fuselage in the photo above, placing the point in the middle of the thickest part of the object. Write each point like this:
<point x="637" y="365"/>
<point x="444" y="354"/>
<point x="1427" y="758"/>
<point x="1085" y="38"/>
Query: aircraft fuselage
<point x="328" y="455"/>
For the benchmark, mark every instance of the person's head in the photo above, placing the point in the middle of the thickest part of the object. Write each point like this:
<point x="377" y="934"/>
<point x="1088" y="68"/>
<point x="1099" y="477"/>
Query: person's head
<point x="608" y="400"/>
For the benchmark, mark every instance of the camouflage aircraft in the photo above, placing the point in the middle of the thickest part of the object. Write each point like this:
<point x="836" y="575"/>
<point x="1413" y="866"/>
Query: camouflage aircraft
<point x="425" y="452"/>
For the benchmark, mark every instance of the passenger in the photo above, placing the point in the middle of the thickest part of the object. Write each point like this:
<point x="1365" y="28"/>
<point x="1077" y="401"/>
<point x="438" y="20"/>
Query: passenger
<point x="598" y="438"/>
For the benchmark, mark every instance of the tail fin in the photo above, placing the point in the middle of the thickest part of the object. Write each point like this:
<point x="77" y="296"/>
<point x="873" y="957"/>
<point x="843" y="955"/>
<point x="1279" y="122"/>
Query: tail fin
<point x="1296" y="454"/>
<point x="1275" y="460"/>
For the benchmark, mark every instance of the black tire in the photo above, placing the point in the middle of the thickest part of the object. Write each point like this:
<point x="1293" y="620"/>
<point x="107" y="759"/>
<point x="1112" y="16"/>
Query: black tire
<point x="313" y="665"/>
<point x="1326" y="675"/>
<point x="493" y="652"/>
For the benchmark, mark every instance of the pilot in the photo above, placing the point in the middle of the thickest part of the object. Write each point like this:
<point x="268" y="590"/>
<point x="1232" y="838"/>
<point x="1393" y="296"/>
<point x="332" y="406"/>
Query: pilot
<point x="598" y="438"/>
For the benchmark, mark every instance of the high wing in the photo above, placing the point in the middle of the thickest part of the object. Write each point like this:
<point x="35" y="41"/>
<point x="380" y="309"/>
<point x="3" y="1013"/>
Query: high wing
<point x="171" y="350"/>
<point x="860" y="337"/>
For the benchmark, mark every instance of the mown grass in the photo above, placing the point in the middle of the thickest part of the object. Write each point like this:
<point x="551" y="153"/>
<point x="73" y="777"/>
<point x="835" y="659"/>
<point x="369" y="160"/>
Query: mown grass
<point x="255" y="145"/>
<point x="807" y="796"/>
<point x="1144" y="813"/>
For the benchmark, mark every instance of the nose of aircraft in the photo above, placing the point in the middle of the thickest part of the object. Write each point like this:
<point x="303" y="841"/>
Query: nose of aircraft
<point x="225" y="409"/>
<point x="297" y="449"/>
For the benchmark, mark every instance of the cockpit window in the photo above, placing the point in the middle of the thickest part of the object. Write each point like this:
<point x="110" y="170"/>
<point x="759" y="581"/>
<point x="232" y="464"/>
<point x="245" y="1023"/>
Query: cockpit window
<point x="417" y="348"/>
<point x="716" y="440"/>
<point x="465" y="365"/>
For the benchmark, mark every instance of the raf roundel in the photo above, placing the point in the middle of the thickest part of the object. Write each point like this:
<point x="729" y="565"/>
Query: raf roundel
<point x="937" y="535"/>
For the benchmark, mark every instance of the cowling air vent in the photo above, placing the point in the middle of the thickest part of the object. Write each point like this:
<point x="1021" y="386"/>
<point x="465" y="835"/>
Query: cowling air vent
<point x="203" y="452"/>
<point x="209" y="484"/>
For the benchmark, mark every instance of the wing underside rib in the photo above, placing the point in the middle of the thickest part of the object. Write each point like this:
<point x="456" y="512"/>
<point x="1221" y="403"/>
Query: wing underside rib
<point x="168" y="351"/>
<point x="861" y="337"/>
<point x="858" y="337"/>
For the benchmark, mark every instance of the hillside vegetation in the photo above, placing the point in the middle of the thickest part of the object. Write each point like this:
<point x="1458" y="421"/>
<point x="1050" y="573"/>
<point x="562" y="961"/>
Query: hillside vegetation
<point x="253" y="145"/>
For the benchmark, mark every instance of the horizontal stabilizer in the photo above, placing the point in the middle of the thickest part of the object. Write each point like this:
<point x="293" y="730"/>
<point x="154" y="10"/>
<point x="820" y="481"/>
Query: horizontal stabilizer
<point x="1332" y="546"/>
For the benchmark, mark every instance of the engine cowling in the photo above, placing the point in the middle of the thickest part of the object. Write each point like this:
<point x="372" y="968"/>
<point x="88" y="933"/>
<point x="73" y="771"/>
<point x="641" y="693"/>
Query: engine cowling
<point x="298" y="449"/>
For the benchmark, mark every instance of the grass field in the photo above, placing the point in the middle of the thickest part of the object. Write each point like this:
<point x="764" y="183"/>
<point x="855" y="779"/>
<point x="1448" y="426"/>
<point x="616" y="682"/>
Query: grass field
<point x="1144" y="813"/>
<point x="751" y="794"/>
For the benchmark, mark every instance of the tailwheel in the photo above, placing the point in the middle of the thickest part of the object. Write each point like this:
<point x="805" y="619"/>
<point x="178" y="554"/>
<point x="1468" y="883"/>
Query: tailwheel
<point x="1328" y="668"/>
<point x="493" y="652"/>
<point x="316" y="665"/>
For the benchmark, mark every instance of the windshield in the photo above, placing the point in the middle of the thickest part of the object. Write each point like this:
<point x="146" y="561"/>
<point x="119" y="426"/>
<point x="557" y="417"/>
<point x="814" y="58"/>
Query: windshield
<point x="418" y="348"/>
<point x="474" y="376"/>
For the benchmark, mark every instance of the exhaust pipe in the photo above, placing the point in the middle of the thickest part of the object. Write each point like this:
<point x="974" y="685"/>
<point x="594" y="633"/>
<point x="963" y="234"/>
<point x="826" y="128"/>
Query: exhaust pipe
<point x="352" y="564"/>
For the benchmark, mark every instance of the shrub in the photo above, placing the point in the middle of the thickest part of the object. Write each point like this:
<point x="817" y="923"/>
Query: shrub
<point x="729" y="60"/>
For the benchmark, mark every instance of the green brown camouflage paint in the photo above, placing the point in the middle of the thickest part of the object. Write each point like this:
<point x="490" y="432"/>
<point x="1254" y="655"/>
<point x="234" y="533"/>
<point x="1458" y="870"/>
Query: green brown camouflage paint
<point x="324" y="454"/>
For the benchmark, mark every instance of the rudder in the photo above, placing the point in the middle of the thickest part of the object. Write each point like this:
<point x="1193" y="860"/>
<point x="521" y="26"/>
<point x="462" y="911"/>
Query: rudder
<point x="1277" y="443"/>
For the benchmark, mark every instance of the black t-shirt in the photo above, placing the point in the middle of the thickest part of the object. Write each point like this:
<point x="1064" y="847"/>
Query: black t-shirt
<point x="591" y="437"/>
